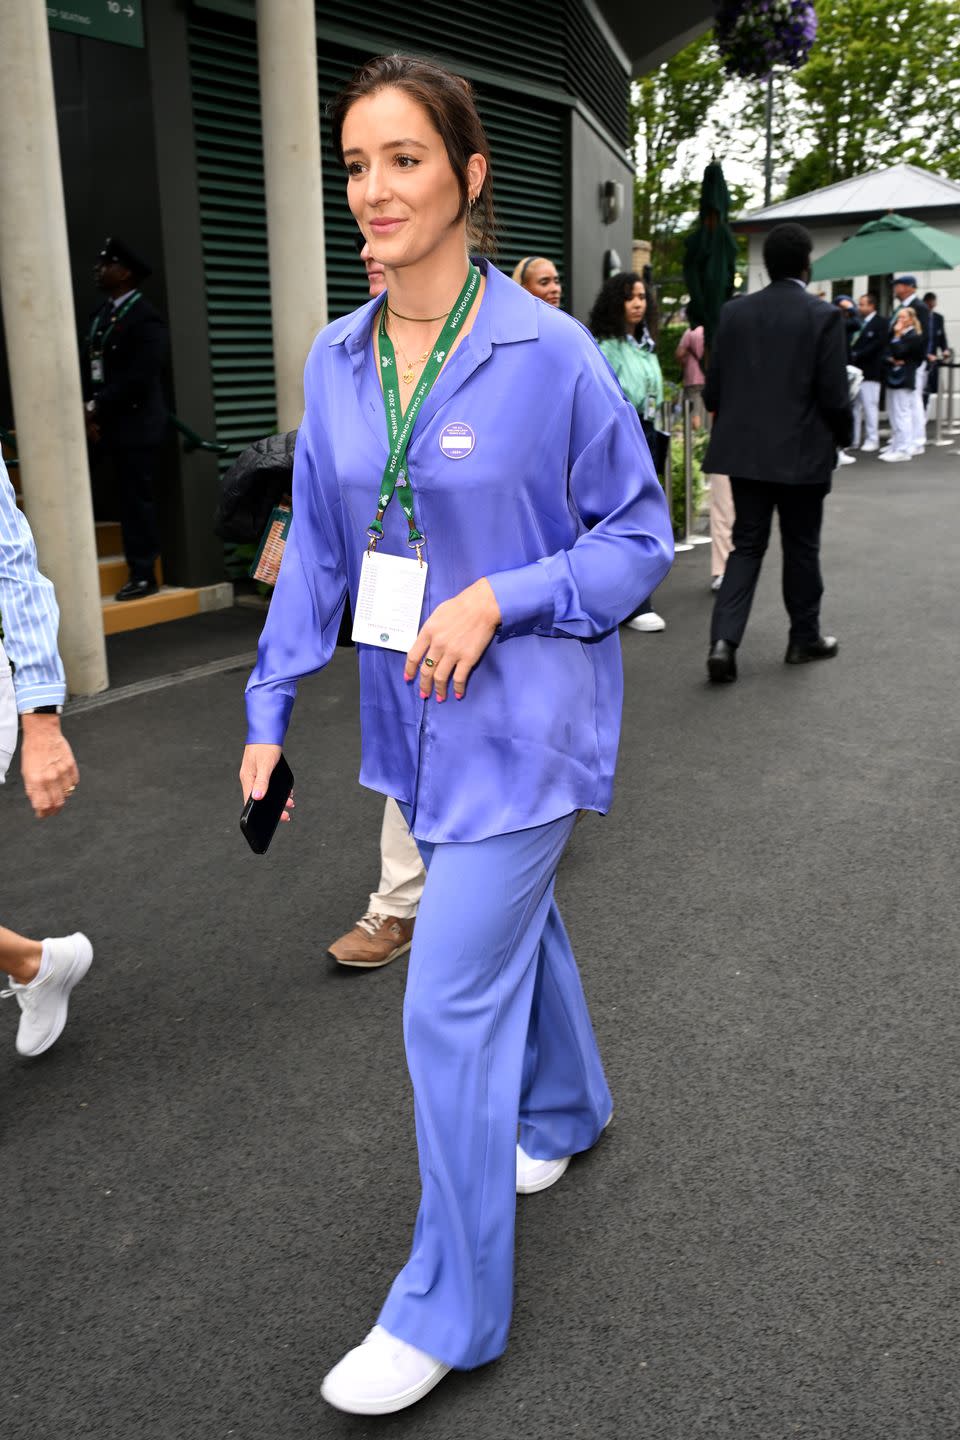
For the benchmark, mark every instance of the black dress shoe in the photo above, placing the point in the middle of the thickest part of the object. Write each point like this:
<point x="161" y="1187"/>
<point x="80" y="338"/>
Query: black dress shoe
<point x="136" y="590"/>
<point x="722" y="662"/>
<point x="823" y="648"/>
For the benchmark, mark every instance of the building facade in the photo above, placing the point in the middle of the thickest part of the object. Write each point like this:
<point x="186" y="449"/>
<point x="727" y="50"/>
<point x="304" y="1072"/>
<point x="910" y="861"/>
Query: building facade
<point x="161" y="144"/>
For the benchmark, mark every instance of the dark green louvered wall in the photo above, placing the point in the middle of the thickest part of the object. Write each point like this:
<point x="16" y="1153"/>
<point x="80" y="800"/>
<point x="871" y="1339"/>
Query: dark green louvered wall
<point x="528" y="139"/>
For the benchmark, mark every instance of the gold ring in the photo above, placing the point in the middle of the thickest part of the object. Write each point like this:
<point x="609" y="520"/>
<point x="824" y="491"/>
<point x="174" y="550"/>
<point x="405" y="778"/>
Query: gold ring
<point x="429" y="663"/>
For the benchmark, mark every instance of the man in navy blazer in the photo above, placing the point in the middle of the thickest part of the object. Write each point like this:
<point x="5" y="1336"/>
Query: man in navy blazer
<point x="867" y="354"/>
<point x="937" y="348"/>
<point x="777" y="382"/>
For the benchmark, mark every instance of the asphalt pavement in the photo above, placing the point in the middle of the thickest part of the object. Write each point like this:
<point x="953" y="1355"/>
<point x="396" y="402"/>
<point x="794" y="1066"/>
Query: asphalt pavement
<point x="207" y="1185"/>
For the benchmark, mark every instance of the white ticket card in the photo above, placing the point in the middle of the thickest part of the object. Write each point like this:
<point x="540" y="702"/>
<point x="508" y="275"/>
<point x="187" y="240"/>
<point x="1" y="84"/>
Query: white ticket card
<point x="389" y="601"/>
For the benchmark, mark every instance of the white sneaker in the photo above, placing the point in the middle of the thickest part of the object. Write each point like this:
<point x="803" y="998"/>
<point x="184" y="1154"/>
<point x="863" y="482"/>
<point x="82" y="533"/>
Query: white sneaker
<point x="844" y="459"/>
<point x="534" y="1175"/>
<point x="918" y="450"/>
<point x="44" y="1001"/>
<point x="870" y="445"/>
<point x="649" y="624"/>
<point x="380" y="1376"/>
<point x="894" y="457"/>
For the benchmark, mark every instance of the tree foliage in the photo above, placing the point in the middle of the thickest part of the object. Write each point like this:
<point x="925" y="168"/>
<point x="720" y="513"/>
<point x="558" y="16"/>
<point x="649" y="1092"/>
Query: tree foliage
<point x="671" y="108"/>
<point x="882" y="85"/>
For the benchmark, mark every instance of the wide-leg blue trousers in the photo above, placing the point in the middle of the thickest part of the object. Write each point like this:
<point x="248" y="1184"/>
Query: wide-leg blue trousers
<point x="497" y="1035"/>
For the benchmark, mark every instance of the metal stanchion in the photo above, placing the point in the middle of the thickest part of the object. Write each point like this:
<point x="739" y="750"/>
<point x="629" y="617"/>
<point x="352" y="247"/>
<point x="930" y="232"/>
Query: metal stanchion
<point x="938" y="436"/>
<point x="689" y="539"/>
<point x="678" y="545"/>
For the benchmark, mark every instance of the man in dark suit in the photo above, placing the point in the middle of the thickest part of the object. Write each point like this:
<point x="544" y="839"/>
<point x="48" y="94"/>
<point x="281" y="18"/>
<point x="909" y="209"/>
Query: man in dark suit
<point x="867" y="354"/>
<point x="937" y="349"/>
<point x="124" y="353"/>
<point x="905" y="289"/>
<point x="777" y="382"/>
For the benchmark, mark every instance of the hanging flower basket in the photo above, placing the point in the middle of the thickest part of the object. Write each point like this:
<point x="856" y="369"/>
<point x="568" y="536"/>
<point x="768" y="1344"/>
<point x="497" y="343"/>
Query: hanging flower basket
<point x="754" y="36"/>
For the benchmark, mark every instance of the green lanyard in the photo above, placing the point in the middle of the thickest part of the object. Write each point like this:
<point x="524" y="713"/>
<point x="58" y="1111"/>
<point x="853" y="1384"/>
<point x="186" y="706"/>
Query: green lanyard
<point x="95" y="335"/>
<point x="396" y="478"/>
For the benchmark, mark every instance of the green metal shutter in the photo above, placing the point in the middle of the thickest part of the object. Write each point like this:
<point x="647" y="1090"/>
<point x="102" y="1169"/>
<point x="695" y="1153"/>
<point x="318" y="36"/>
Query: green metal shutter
<point x="226" y="110"/>
<point x="528" y="139"/>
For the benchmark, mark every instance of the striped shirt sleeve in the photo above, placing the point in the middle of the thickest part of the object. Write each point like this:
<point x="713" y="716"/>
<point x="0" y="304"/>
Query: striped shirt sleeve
<point x="28" y="610"/>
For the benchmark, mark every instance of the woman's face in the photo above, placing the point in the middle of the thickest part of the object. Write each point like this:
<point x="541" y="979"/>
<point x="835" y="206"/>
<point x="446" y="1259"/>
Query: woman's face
<point x="635" y="306"/>
<point x="903" y="322"/>
<point x="401" y="187"/>
<point x="542" y="280"/>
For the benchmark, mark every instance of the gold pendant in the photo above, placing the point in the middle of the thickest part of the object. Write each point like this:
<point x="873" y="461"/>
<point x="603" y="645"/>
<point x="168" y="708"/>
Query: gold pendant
<point x="408" y="376"/>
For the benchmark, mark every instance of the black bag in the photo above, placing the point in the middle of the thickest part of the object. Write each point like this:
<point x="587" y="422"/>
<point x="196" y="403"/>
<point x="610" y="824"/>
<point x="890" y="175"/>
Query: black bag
<point x="257" y="481"/>
<point x="658" y="443"/>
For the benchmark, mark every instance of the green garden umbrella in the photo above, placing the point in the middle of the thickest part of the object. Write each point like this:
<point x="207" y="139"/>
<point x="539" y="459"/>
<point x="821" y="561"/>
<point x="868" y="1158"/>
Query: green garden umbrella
<point x="710" y="254"/>
<point x="888" y="245"/>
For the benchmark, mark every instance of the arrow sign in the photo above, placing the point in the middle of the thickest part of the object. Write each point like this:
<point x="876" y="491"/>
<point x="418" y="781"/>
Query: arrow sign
<point x="120" y="22"/>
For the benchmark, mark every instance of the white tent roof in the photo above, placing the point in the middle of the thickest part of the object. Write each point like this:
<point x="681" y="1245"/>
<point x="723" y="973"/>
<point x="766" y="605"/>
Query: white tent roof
<point x="898" y="187"/>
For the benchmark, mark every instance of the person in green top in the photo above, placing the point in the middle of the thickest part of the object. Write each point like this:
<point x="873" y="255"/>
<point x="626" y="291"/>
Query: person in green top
<point x="618" y="323"/>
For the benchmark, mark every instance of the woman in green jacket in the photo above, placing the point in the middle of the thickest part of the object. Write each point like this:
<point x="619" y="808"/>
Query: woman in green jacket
<point x="617" y="322"/>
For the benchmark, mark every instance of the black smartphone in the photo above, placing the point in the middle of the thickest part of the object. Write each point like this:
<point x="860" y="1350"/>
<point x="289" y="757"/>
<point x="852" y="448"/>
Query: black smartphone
<point x="260" y="818"/>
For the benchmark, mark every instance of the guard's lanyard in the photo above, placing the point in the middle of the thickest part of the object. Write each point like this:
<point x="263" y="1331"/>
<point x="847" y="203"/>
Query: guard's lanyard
<point x="396" y="478"/>
<point x="97" y="341"/>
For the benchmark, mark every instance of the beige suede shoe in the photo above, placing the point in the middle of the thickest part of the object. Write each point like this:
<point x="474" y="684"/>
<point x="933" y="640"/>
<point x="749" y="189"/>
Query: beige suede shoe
<point x="374" y="941"/>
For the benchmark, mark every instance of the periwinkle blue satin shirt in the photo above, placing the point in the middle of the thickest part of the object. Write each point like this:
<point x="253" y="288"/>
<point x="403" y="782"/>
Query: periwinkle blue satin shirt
<point x="557" y="504"/>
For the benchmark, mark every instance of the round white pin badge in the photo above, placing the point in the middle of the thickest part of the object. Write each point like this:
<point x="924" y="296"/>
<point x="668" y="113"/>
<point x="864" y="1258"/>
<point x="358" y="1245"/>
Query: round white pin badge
<point x="457" y="440"/>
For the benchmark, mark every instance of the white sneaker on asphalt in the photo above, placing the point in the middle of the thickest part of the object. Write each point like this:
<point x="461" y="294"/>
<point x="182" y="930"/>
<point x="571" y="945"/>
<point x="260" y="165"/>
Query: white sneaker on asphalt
<point x="894" y="457"/>
<point x="649" y="624"/>
<point x="380" y="1376"/>
<point x="45" y="1000"/>
<point x="844" y="459"/>
<point x="918" y="450"/>
<point x="534" y="1175"/>
<point x="869" y="446"/>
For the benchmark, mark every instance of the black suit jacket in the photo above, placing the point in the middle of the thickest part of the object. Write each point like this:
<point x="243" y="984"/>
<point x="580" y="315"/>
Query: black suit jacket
<point x="778" y="383"/>
<point x="938" y="330"/>
<point x="869" y="346"/>
<point x="131" y="410"/>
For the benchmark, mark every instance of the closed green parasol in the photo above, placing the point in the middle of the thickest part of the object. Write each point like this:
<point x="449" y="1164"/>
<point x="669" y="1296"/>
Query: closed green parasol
<point x="710" y="254"/>
<point x="891" y="244"/>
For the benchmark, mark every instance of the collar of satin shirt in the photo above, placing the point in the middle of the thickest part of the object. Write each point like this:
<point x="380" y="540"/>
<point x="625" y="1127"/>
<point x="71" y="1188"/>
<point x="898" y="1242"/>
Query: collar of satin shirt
<point x="497" y="322"/>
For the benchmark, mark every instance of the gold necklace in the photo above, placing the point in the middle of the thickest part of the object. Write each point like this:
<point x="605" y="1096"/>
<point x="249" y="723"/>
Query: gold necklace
<point x="417" y="319"/>
<point x="409" y="374"/>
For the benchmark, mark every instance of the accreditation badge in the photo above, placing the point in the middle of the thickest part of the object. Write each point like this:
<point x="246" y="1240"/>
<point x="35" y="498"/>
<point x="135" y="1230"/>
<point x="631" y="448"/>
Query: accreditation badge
<point x="389" y="601"/>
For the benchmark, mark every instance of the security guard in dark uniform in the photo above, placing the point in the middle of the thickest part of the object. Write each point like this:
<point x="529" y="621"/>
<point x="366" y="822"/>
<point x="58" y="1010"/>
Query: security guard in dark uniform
<point x="124" y="353"/>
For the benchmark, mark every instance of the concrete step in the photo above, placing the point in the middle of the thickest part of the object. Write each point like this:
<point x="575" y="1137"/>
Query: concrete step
<point x="170" y="603"/>
<point x="109" y="538"/>
<point x="114" y="572"/>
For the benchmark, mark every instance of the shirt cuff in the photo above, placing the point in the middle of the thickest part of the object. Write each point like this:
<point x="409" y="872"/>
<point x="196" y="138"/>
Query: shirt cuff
<point x="268" y="715"/>
<point x="29" y="696"/>
<point x="525" y="598"/>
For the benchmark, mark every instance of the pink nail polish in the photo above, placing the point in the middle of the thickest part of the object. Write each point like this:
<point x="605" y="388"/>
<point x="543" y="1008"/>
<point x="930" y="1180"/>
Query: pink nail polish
<point x="456" y="696"/>
<point x="424" y="695"/>
<point x="440" y="699"/>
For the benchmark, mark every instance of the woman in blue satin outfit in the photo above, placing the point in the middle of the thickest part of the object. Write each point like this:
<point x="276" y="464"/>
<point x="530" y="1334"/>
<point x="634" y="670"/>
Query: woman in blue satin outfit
<point x="544" y="526"/>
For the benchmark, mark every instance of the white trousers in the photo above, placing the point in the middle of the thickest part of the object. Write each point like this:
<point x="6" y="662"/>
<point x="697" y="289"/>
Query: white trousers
<point x="8" y="716"/>
<point x="402" y="871"/>
<point x="902" y="410"/>
<point x="866" y="413"/>
<point x="919" y="407"/>
<point x="721" y="522"/>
